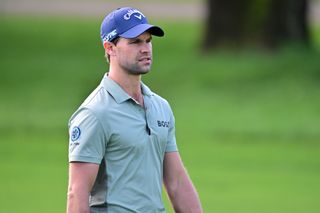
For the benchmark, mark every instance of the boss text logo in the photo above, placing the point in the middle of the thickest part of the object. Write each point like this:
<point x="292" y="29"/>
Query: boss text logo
<point x="163" y="123"/>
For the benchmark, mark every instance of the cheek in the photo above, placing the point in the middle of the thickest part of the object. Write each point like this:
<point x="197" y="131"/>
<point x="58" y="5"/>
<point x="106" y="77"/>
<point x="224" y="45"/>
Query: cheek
<point x="122" y="54"/>
<point x="126" y="52"/>
<point x="127" y="56"/>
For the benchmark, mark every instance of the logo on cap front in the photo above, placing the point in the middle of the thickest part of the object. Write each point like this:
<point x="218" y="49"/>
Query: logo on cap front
<point x="130" y="12"/>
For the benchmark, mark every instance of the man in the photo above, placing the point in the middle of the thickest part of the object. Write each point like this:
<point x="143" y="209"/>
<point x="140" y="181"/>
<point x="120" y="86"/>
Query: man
<point x="122" y="138"/>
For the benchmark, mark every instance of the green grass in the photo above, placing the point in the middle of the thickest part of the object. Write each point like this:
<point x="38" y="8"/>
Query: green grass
<point x="247" y="123"/>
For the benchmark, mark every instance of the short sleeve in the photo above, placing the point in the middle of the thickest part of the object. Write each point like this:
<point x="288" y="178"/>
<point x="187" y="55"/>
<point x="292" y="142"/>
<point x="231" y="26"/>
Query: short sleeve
<point x="171" y="143"/>
<point x="86" y="138"/>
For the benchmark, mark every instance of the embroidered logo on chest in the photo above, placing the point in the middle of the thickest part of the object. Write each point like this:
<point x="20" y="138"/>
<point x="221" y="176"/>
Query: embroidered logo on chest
<point x="163" y="124"/>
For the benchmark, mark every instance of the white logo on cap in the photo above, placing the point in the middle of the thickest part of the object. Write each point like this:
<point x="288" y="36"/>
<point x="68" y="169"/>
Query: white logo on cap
<point x="130" y="12"/>
<point x="110" y="35"/>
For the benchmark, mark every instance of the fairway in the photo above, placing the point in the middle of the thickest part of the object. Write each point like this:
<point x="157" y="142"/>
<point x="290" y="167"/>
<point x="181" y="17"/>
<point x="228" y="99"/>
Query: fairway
<point x="247" y="123"/>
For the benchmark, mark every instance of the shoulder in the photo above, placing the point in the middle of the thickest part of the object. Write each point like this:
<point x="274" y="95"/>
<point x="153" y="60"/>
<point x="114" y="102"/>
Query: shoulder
<point x="161" y="100"/>
<point x="161" y="105"/>
<point x="94" y="105"/>
<point x="155" y="97"/>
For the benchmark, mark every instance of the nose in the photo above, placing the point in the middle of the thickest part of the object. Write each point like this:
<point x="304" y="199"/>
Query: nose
<point x="146" y="47"/>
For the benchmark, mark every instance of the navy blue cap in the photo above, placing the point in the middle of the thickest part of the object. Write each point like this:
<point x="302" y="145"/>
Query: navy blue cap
<point x="126" y="22"/>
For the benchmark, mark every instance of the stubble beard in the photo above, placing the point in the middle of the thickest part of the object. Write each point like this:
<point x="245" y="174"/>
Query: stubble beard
<point x="137" y="68"/>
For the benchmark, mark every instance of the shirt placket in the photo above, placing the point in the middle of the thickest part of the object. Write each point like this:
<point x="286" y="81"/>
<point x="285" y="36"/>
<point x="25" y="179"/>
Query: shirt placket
<point x="146" y="114"/>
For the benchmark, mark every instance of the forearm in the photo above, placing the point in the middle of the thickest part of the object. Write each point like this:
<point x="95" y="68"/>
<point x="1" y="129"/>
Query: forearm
<point x="184" y="197"/>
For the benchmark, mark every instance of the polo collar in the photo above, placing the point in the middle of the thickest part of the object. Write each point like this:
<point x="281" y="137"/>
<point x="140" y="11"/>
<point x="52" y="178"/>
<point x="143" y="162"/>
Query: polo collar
<point x="116" y="91"/>
<point x="145" y="90"/>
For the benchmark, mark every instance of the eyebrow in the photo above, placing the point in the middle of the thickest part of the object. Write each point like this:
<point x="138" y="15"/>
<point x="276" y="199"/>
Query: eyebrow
<point x="137" y="39"/>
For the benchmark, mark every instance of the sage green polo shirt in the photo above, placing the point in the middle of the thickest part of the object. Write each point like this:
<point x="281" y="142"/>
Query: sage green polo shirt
<point x="128" y="142"/>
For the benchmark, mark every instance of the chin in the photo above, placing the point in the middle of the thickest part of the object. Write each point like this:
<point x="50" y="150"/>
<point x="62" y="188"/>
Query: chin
<point x="138" y="70"/>
<point x="142" y="72"/>
<point x="145" y="70"/>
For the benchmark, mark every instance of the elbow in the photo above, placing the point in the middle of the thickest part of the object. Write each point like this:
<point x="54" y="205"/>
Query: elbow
<point x="70" y="193"/>
<point x="171" y="187"/>
<point x="76" y="202"/>
<point x="70" y="200"/>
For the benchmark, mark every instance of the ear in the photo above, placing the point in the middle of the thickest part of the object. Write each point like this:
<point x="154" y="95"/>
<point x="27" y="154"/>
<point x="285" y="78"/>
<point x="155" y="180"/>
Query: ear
<point x="108" y="48"/>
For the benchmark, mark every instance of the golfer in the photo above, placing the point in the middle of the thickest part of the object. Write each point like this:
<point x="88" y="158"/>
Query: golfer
<point x="122" y="145"/>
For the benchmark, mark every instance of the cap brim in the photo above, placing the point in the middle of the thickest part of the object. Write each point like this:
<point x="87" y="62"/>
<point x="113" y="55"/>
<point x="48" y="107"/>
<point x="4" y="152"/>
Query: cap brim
<point x="141" y="28"/>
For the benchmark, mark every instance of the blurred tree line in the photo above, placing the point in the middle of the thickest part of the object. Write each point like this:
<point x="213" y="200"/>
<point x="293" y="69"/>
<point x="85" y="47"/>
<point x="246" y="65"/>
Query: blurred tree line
<point x="266" y="23"/>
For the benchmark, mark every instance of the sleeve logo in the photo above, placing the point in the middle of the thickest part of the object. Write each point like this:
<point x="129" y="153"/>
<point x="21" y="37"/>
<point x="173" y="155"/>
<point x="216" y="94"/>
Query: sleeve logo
<point x="75" y="133"/>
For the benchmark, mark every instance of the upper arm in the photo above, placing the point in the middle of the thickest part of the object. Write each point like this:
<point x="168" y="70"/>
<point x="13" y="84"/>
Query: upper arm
<point x="182" y="194"/>
<point x="81" y="179"/>
<point x="171" y="139"/>
<point x="173" y="169"/>
<point x="82" y="176"/>
<point x="87" y="139"/>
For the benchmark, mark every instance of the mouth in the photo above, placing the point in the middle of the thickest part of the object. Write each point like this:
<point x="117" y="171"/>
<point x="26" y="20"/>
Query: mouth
<point x="145" y="59"/>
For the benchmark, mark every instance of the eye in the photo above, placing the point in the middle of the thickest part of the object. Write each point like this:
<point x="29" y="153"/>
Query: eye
<point x="135" y="41"/>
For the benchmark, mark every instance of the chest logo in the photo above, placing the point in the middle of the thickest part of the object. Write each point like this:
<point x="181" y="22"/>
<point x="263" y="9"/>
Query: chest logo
<point x="163" y="124"/>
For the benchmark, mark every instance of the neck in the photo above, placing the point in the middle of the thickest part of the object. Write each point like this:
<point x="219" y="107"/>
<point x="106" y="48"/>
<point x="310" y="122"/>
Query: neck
<point x="131" y="84"/>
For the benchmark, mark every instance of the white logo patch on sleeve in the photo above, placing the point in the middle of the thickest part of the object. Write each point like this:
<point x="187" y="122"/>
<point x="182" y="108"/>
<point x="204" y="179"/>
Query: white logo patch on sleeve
<point x="75" y="133"/>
